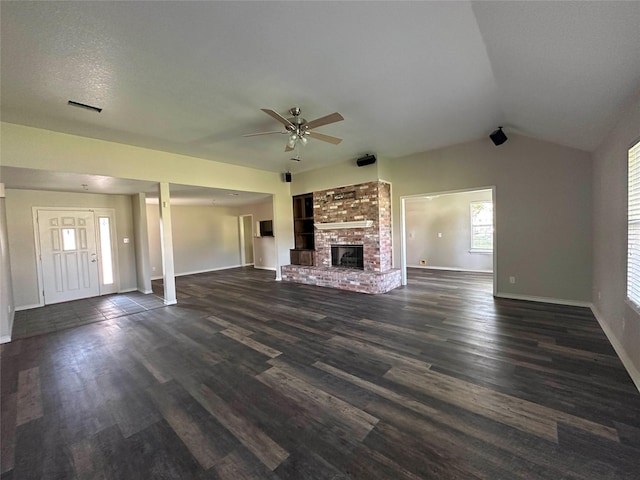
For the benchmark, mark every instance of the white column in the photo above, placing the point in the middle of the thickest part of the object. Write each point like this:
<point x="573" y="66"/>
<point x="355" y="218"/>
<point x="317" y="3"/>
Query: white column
<point x="7" y="307"/>
<point x="166" y="245"/>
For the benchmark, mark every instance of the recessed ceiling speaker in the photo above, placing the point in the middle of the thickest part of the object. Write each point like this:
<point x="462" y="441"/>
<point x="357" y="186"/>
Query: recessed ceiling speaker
<point x="366" y="160"/>
<point x="287" y="177"/>
<point x="498" y="137"/>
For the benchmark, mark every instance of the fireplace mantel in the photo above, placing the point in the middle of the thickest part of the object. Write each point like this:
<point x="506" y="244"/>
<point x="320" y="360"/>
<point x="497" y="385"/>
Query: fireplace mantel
<point x="343" y="225"/>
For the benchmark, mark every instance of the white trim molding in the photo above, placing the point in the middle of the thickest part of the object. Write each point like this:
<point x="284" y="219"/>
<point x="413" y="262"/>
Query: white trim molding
<point x="554" y="301"/>
<point x="125" y="290"/>
<point x="29" y="307"/>
<point x="343" y="225"/>
<point x="5" y="339"/>
<point x="272" y="269"/>
<point x="452" y="269"/>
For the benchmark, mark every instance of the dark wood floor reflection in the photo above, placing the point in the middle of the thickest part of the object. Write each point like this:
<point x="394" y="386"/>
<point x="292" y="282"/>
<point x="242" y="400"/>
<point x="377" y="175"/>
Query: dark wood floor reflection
<point x="247" y="378"/>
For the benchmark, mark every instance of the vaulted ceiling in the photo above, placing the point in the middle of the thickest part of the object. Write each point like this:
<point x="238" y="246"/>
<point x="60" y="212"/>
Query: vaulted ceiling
<point x="191" y="77"/>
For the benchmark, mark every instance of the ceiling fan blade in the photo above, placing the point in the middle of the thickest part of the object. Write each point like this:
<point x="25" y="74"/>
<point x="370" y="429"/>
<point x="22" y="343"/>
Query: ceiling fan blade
<point x="288" y="149"/>
<point x="326" y="120"/>
<point x="261" y="133"/>
<point x="278" y="117"/>
<point x="324" y="138"/>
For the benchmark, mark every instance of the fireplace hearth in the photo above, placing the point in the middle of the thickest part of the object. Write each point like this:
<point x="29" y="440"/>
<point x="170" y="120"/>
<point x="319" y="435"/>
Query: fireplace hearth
<point x="347" y="256"/>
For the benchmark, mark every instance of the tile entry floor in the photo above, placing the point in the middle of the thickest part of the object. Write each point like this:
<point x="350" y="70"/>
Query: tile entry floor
<point x="59" y="316"/>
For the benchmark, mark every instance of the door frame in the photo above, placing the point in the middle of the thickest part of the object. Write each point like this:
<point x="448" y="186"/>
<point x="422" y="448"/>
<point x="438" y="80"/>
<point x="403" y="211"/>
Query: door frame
<point x="403" y="230"/>
<point x="110" y="212"/>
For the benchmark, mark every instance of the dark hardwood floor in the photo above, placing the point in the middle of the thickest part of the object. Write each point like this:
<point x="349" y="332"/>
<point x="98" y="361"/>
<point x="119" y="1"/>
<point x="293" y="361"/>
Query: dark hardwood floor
<point x="248" y="378"/>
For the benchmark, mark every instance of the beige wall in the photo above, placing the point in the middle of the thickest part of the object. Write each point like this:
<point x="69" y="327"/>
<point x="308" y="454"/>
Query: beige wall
<point x="448" y="215"/>
<point x="22" y="238"/>
<point x="619" y="320"/>
<point x="542" y="209"/>
<point x="141" y="242"/>
<point x="205" y="238"/>
<point x="340" y="175"/>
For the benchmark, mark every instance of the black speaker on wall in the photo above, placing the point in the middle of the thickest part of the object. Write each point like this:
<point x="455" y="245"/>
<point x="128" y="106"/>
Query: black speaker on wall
<point x="498" y="137"/>
<point x="366" y="160"/>
<point x="287" y="177"/>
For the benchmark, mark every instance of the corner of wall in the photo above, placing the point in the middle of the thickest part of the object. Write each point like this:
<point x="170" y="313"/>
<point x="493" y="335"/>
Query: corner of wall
<point x="628" y="364"/>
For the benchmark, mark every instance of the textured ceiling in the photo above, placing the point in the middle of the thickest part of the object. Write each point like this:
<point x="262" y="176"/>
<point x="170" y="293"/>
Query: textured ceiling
<point x="191" y="77"/>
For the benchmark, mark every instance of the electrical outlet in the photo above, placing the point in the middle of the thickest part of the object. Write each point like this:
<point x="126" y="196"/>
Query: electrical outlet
<point x="512" y="280"/>
<point x="423" y="261"/>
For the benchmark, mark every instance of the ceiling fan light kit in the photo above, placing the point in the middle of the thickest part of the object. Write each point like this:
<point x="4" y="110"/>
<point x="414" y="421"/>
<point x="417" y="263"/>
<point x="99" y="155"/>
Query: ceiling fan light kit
<point x="299" y="129"/>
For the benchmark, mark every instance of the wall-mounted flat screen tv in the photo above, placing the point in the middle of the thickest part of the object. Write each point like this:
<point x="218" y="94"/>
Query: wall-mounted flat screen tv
<point x="266" y="228"/>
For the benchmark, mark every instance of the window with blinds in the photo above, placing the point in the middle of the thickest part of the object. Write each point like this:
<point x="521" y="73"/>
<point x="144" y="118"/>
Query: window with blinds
<point x="633" y="223"/>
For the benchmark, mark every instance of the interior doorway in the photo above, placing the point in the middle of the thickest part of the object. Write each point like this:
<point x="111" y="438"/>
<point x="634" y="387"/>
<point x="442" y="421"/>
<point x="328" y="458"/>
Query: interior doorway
<point x="246" y="239"/>
<point x="451" y="230"/>
<point x="76" y="255"/>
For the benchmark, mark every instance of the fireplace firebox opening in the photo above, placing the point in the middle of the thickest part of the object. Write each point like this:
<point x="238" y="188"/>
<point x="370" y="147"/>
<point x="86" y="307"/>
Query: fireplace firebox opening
<point x="347" y="256"/>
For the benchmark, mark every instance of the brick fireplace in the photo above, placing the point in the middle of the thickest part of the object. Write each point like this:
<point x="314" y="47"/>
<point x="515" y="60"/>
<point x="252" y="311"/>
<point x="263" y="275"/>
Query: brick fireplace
<point x="352" y="215"/>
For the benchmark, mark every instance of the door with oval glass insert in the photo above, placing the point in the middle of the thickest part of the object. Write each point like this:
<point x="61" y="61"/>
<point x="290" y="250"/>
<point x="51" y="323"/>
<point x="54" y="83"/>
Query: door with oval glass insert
<point x="68" y="255"/>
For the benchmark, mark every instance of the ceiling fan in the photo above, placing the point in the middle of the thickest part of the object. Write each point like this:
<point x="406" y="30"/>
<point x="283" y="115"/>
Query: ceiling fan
<point x="299" y="129"/>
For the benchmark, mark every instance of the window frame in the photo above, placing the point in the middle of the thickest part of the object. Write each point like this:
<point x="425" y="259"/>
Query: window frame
<point x="632" y="283"/>
<point x="475" y="249"/>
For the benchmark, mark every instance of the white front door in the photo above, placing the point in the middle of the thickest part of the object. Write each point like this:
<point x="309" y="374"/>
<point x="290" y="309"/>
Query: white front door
<point x="68" y="255"/>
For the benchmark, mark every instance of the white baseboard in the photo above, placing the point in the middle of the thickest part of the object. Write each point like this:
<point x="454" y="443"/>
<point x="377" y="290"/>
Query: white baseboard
<point x="208" y="270"/>
<point x="555" y="301"/>
<point x="273" y="269"/>
<point x="5" y="339"/>
<point x="196" y="272"/>
<point x="128" y="290"/>
<point x="633" y="372"/>
<point x="431" y="267"/>
<point x="145" y="292"/>
<point x="29" y="307"/>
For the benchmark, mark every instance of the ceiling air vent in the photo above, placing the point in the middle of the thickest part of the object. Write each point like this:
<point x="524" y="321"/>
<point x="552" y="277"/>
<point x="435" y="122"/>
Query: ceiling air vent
<point x="84" y="105"/>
